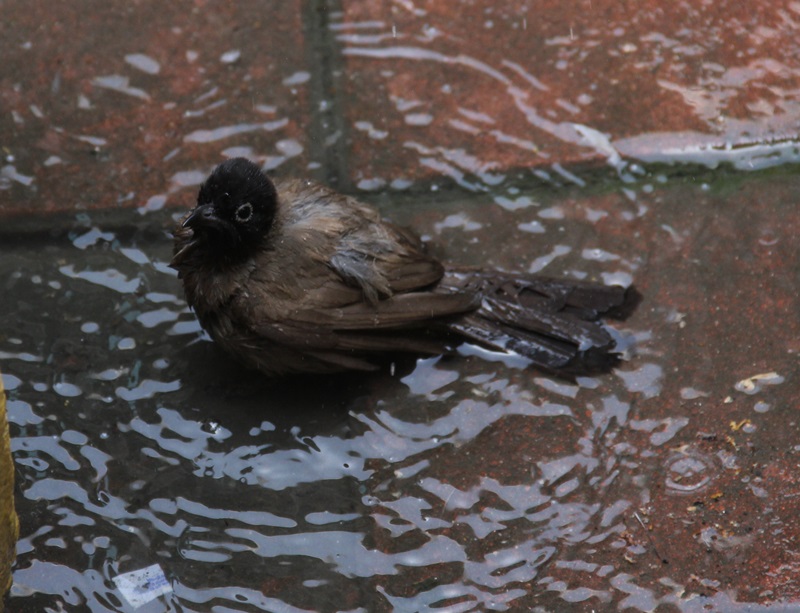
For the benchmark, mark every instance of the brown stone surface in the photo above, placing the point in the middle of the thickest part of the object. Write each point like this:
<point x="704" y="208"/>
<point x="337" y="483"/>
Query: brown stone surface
<point x="670" y="488"/>
<point x="121" y="104"/>
<point x="719" y="273"/>
<point x="473" y="90"/>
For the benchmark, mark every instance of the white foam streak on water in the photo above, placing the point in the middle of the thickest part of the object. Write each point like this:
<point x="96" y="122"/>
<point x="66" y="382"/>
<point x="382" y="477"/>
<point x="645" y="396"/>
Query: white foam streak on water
<point x="742" y="152"/>
<point x="353" y="559"/>
<point x="121" y="84"/>
<point x="422" y="54"/>
<point x="110" y="278"/>
<point x="224" y="132"/>
<point x="143" y="62"/>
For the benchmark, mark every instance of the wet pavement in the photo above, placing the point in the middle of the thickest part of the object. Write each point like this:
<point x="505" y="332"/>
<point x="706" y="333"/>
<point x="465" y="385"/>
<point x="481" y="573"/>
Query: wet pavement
<point x="607" y="140"/>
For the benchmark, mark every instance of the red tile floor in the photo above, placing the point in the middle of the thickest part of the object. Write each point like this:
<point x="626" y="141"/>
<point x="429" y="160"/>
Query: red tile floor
<point x="651" y="141"/>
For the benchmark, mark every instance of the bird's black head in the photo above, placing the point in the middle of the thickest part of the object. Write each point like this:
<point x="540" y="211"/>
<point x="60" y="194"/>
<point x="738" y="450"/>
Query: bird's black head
<point x="235" y="208"/>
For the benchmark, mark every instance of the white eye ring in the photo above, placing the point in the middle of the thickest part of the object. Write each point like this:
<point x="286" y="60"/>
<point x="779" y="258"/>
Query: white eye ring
<point x="244" y="212"/>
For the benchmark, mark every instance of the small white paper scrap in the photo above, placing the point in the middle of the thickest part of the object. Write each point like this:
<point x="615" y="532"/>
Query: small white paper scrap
<point x="141" y="586"/>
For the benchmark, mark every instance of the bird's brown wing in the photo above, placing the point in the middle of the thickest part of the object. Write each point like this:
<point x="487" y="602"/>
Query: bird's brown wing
<point x="376" y="295"/>
<point x="401" y="311"/>
<point x="352" y="337"/>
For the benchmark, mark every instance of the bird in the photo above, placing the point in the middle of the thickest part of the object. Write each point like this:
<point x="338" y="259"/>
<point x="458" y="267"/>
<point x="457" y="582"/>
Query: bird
<point x="292" y="277"/>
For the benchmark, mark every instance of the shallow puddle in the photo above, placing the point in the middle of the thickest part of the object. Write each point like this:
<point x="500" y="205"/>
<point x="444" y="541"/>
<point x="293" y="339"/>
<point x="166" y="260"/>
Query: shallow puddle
<point x="457" y="483"/>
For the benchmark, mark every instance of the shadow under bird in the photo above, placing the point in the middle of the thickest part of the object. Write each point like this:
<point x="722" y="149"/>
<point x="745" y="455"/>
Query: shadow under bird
<point x="292" y="277"/>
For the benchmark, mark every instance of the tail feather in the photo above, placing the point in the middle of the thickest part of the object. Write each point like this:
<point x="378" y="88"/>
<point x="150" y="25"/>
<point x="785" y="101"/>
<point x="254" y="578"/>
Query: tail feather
<point x="562" y="326"/>
<point x="550" y="321"/>
<point x="541" y="350"/>
<point x="583" y="295"/>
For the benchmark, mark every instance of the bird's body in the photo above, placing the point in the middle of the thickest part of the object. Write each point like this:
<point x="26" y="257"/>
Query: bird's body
<point x="292" y="277"/>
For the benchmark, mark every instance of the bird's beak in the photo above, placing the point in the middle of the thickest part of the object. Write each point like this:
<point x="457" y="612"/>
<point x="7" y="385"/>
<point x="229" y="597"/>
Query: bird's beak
<point x="202" y="215"/>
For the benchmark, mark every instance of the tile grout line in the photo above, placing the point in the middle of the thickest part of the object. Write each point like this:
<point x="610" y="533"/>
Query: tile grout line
<point x="327" y="132"/>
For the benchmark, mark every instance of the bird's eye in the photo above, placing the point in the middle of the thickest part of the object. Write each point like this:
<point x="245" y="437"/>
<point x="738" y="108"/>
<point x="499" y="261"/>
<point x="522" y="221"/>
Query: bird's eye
<point x="244" y="212"/>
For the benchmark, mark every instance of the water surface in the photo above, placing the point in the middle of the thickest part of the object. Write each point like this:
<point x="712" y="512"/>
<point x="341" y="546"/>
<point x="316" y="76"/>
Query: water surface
<point x="457" y="483"/>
